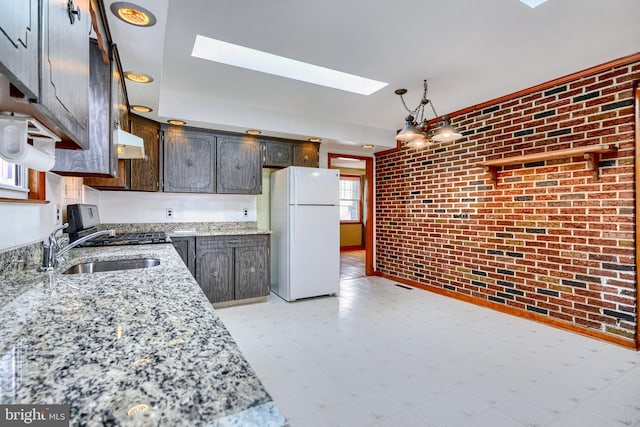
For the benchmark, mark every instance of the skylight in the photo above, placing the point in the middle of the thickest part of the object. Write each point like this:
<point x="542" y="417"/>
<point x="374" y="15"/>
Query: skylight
<point x="533" y="3"/>
<point x="252" y="59"/>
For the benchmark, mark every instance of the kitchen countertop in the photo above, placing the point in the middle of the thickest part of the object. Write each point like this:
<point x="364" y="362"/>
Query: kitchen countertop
<point x="106" y="342"/>
<point x="231" y="232"/>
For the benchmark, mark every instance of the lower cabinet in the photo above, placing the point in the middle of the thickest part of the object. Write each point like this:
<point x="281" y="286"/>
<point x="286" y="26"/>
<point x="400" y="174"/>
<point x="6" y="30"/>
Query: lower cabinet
<point x="229" y="268"/>
<point x="186" y="248"/>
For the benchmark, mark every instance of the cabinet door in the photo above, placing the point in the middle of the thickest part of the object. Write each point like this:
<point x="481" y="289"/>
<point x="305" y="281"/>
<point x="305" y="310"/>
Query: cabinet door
<point x="19" y="44"/>
<point x="189" y="161"/>
<point x="186" y="248"/>
<point x="277" y="154"/>
<point x="101" y="158"/>
<point x="252" y="272"/>
<point x="64" y="88"/>
<point x="214" y="273"/>
<point x="145" y="174"/>
<point x="306" y="154"/>
<point x="239" y="166"/>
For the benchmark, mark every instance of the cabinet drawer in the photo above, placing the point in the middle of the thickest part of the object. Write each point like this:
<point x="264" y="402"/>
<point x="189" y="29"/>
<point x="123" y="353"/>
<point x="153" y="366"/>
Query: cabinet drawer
<point x="203" y="242"/>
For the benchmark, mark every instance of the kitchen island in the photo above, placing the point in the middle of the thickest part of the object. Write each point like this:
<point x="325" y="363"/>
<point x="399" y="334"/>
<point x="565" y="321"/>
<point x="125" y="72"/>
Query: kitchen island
<point x="130" y="347"/>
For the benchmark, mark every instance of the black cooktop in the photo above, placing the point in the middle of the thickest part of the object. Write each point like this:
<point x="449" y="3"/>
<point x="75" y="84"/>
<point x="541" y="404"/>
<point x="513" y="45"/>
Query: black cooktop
<point x="129" y="239"/>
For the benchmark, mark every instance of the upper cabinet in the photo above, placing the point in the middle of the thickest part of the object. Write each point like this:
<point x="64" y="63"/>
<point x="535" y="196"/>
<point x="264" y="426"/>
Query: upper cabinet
<point x="64" y="77"/>
<point x="306" y="154"/>
<point x="49" y="83"/>
<point x="107" y="108"/>
<point x="277" y="154"/>
<point x="145" y="174"/>
<point x="19" y="45"/>
<point x="239" y="165"/>
<point x="189" y="160"/>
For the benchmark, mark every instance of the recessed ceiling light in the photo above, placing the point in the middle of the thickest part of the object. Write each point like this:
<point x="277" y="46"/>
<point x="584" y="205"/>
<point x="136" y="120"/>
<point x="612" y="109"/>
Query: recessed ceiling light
<point x="533" y="3"/>
<point x="314" y="139"/>
<point x="253" y="132"/>
<point x="367" y="146"/>
<point x="133" y="14"/>
<point x="141" y="108"/>
<point x="252" y="59"/>
<point x="138" y="77"/>
<point x="176" y="122"/>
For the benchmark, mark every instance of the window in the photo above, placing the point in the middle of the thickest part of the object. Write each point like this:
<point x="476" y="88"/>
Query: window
<point x="350" y="199"/>
<point x="13" y="180"/>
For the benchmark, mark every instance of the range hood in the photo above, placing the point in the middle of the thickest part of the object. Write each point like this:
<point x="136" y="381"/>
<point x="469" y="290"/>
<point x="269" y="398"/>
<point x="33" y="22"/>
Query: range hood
<point x="129" y="146"/>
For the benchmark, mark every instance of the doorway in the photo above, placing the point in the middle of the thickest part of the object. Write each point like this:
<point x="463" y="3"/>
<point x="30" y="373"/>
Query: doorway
<point x="356" y="224"/>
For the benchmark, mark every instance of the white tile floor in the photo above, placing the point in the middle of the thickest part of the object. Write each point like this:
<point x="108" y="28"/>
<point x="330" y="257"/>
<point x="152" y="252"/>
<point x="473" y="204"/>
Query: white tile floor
<point x="381" y="355"/>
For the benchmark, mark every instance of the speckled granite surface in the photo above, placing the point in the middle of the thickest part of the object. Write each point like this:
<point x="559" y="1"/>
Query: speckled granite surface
<point x="19" y="260"/>
<point x="106" y="342"/>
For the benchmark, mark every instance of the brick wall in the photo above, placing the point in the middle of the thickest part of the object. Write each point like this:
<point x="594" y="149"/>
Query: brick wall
<point x="548" y="241"/>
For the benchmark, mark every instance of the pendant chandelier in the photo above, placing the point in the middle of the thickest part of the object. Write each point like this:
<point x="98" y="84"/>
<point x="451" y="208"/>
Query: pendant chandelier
<point x="417" y="132"/>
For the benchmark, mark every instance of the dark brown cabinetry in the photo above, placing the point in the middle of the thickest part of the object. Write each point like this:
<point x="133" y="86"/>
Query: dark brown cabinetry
<point x="306" y="154"/>
<point x="239" y="168"/>
<point x="233" y="267"/>
<point x="19" y="45"/>
<point x="277" y="154"/>
<point x="107" y="109"/>
<point x="186" y="248"/>
<point x="44" y="62"/>
<point x="64" y="74"/>
<point x="189" y="160"/>
<point x="145" y="174"/>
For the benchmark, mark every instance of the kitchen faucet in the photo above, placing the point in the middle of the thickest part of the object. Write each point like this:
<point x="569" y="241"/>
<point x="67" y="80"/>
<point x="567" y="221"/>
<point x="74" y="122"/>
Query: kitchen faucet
<point x="53" y="250"/>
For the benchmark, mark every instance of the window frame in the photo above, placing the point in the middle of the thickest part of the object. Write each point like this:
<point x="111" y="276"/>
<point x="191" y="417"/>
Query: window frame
<point x="358" y="178"/>
<point x="21" y="189"/>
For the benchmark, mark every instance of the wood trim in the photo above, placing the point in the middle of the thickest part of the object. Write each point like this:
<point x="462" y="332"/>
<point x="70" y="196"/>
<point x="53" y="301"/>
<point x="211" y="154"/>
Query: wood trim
<point x="37" y="185"/>
<point x="351" y="248"/>
<point x="591" y="154"/>
<point x="369" y="268"/>
<point x="28" y="201"/>
<point x="637" y="179"/>
<point x="591" y="333"/>
<point x="625" y="60"/>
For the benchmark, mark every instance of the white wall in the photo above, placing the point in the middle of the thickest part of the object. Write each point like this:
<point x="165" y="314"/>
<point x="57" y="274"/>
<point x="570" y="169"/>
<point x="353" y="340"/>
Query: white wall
<point x="140" y="207"/>
<point x="26" y="223"/>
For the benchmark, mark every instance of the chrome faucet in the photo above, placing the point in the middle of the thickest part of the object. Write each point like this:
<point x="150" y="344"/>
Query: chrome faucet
<point x="53" y="250"/>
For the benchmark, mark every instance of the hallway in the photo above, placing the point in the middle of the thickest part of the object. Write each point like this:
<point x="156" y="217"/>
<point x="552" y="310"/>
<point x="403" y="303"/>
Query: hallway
<point x="352" y="264"/>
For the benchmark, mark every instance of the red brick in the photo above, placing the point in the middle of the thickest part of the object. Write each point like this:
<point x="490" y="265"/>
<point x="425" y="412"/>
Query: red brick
<point x="561" y="224"/>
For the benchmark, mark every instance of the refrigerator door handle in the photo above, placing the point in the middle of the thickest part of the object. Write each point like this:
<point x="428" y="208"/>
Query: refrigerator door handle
<point x="292" y="223"/>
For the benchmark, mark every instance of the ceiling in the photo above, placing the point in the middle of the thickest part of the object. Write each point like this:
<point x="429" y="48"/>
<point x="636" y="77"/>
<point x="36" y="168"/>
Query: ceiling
<point x="469" y="51"/>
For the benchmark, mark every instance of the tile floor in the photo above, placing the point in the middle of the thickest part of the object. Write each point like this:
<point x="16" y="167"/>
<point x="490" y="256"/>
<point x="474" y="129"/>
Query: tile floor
<point x="381" y="355"/>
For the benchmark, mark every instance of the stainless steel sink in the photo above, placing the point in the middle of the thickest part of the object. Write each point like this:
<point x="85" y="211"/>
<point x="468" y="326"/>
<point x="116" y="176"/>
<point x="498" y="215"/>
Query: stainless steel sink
<point x="112" y="265"/>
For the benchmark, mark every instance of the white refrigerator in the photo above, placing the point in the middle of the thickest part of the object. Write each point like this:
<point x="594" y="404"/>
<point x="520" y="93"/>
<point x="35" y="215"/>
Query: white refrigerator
<point x="305" y="240"/>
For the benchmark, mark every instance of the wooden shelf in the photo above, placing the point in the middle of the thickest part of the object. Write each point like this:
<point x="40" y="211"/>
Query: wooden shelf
<point x="590" y="153"/>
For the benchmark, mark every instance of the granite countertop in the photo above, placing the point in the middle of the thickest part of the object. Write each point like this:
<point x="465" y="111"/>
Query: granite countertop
<point x="114" y="343"/>
<point x="229" y="232"/>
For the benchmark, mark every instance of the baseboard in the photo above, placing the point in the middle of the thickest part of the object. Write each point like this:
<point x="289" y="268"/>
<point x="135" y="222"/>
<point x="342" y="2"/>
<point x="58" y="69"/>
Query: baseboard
<point x="351" y="248"/>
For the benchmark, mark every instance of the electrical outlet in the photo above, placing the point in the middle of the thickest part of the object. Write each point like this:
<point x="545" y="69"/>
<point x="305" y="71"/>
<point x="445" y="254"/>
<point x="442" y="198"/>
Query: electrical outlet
<point x="57" y="215"/>
<point x="169" y="213"/>
<point x="245" y="212"/>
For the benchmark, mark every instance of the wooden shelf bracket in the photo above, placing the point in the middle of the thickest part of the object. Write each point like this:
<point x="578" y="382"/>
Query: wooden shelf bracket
<point x="590" y="153"/>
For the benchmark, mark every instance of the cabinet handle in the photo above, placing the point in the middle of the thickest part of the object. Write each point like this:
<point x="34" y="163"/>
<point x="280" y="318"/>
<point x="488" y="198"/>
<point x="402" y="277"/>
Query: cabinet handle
<point x="306" y="158"/>
<point x="215" y="274"/>
<point x="73" y="12"/>
<point x="189" y="162"/>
